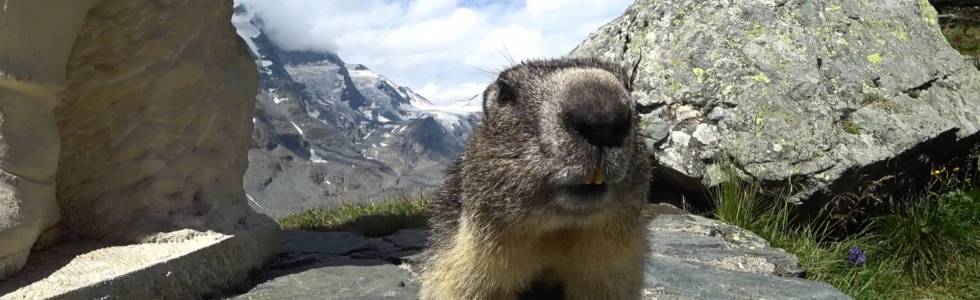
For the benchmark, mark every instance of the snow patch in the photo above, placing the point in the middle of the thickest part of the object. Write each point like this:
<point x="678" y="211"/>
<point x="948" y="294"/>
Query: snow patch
<point x="365" y="74"/>
<point x="298" y="129"/>
<point x="465" y="107"/>
<point x="276" y="99"/>
<point x="316" y="158"/>
<point x="250" y="199"/>
<point x="245" y="29"/>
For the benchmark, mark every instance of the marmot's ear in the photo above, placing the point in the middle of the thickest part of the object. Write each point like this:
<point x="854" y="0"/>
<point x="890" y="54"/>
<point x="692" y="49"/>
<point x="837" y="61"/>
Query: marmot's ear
<point x="497" y="94"/>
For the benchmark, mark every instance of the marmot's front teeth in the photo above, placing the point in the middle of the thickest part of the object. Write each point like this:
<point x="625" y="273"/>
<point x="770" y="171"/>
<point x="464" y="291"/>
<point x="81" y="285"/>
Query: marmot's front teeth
<point x="597" y="177"/>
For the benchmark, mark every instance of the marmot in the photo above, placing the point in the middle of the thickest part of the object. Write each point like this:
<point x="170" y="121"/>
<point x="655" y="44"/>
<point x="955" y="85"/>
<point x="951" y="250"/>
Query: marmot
<point x="548" y="197"/>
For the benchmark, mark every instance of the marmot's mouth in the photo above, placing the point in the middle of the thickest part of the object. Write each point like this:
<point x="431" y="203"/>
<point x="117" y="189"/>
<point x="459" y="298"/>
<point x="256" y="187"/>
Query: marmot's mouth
<point x="598" y="177"/>
<point x="583" y="199"/>
<point x="587" y="191"/>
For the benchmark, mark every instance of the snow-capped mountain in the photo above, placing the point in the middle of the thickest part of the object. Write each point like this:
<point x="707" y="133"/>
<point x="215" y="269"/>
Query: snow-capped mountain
<point x="328" y="132"/>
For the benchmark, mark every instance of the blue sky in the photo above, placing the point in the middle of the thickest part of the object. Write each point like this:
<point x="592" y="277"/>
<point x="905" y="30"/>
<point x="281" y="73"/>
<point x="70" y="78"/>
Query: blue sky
<point x="446" y="50"/>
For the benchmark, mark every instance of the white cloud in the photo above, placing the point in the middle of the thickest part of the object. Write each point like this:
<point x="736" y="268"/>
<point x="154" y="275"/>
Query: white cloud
<point x="564" y="8"/>
<point x="423" y="9"/>
<point x="435" y="34"/>
<point x="445" y="47"/>
<point x="511" y="42"/>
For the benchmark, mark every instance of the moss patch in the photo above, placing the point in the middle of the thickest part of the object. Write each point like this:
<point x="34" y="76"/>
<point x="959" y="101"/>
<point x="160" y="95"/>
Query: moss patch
<point x="850" y="127"/>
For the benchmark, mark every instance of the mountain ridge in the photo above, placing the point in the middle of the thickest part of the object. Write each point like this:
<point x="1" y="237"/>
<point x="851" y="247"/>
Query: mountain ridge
<point x="328" y="132"/>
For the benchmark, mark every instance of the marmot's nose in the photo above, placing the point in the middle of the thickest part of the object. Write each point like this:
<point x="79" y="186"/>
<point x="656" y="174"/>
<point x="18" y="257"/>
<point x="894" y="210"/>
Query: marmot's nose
<point x="601" y="124"/>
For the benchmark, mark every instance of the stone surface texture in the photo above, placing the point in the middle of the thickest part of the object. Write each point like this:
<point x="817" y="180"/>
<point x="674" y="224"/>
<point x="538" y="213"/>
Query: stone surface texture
<point x="836" y="96"/>
<point x="330" y="243"/>
<point x="377" y="280"/>
<point x="676" y="279"/>
<point x="698" y="239"/>
<point x="156" y="121"/>
<point x="185" y="264"/>
<point x="691" y="257"/>
<point x="32" y="73"/>
<point x="125" y="125"/>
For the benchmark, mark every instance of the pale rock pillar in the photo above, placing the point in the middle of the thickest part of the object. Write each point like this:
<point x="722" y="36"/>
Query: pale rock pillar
<point x="36" y="38"/>
<point x="156" y="122"/>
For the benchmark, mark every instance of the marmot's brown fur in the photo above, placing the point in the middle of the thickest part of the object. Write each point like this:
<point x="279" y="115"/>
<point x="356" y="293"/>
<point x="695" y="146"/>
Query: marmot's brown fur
<point x="547" y="199"/>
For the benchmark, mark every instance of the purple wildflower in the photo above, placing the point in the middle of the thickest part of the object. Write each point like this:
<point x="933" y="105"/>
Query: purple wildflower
<point x="856" y="256"/>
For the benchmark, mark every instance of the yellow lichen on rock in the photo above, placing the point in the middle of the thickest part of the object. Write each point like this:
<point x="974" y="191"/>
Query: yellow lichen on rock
<point x="874" y="58"/>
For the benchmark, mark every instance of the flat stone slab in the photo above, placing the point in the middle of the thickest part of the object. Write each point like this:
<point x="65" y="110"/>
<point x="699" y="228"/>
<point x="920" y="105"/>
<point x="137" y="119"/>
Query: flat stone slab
<point x="677" y="279"/>
<point x="691" y="257"/>
<point x="380" y="281"/>
<point x="702" y="240"/>
<point x="409" y="239"/>
<point x="182" y="265"/>
<point x="330" y="243"/>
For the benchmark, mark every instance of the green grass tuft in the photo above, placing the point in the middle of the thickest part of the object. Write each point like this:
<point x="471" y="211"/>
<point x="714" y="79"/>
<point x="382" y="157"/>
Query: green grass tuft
<point x="368" y="219"/>
<point x="928" y="250"/>
<point x="736" y="202"/>
<point x="964" y="36"/>
<point x="850" y="127"/>
<point x="931" y="236"/>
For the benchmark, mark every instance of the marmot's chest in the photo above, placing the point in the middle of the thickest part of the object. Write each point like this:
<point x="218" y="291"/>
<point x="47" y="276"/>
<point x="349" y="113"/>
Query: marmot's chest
<point x="562" y="245"/>
<point x="562" y="241"/>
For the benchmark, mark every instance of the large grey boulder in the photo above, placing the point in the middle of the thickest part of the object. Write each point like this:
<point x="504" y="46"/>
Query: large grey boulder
<point x="831" y="97"/>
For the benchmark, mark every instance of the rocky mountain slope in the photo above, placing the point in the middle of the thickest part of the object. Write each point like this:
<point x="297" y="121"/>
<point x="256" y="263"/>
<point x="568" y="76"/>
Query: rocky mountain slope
<point x="328" y="132"/>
